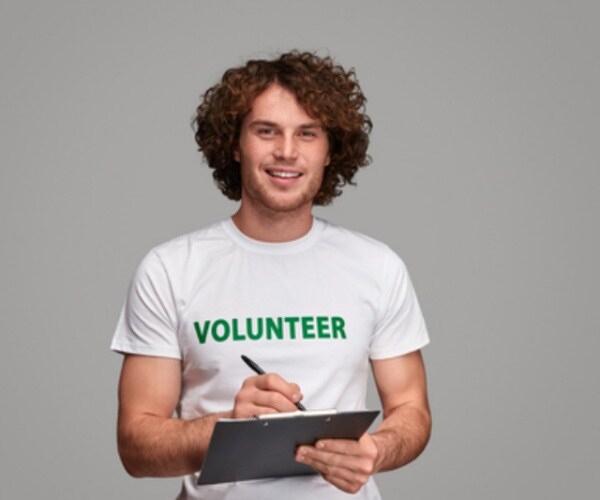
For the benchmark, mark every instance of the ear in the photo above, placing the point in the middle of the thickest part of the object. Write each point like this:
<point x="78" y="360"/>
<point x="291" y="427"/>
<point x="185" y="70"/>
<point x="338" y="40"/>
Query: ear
<point x="236" y="154"/>
<point x="327" y="160"/>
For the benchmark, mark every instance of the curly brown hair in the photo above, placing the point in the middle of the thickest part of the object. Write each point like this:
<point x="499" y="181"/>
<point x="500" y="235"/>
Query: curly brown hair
<point x="325" y="90"/>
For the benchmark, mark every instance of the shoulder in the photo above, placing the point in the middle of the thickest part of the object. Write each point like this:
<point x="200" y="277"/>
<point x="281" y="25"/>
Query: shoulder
<point x="184" y="250"/>
<point x="354" y="242"/>
<point x="203" y="239"/>
<point x="361" y="253"/>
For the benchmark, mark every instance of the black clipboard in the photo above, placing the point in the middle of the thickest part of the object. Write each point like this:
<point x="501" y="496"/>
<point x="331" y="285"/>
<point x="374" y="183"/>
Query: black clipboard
<point x="265" y="447"/>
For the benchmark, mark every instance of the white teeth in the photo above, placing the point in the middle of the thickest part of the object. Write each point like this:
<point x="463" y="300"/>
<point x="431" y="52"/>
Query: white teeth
<point x="285" y="175"/>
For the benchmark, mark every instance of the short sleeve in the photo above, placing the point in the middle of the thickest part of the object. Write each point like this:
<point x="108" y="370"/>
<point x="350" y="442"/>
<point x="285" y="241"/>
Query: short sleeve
<point x="400" y="327"/>
<point x="148" y="321"/>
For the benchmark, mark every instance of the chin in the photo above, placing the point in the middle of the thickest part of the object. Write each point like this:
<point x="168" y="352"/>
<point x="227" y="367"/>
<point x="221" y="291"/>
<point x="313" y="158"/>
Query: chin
<point x="288" y="207"/>
<point x="286" y="204"/>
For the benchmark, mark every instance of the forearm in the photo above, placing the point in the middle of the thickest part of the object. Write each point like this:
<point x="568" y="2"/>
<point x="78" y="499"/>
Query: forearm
<point x="401" y="436"/>
<point x="156" y="446"/>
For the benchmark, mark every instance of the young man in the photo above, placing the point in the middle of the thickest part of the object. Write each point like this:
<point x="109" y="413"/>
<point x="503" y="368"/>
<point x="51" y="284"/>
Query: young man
<point x="312" y="303"/>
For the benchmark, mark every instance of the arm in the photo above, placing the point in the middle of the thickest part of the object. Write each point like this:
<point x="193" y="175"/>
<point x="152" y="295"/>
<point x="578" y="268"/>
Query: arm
<point x="153" y="443"/>
<point x="399" y="439"/>
<point x="406" y="427"/>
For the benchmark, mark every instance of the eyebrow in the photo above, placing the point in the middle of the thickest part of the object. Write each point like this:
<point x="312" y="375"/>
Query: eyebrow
<point x="267" y="123"/>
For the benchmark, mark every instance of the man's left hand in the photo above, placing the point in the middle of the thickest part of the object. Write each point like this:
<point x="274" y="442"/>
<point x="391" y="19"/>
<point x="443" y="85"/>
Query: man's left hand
<point x="347" y="464"/>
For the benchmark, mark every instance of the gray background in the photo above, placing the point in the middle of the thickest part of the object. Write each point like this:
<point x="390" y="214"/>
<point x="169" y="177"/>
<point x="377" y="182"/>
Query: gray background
<point x="484" y="179"/>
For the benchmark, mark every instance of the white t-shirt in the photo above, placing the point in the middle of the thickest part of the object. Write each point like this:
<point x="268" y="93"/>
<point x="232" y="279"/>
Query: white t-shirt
<point x="313" y="310"/>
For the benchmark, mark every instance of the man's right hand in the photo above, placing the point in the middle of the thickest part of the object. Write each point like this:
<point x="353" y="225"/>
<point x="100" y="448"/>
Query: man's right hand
<point x="268" y="393"/>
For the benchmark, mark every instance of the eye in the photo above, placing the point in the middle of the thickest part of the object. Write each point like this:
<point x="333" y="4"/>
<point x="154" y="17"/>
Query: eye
<point x="308" y="134"/>
<point x="266" y="131"/>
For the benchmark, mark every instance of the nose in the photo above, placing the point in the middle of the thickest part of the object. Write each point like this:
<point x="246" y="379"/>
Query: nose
<point x="286" y="149"/>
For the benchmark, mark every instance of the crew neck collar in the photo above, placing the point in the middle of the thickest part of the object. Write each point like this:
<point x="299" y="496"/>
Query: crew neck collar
<point x="281" y="248"/>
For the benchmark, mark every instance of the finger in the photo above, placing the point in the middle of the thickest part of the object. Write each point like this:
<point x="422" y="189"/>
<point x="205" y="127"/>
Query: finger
<point x="341" y="446"/>
<point x="330" y="463"/>
<point x="364" y="447"/>
<point x="274" y="400"/>
<point x="254" y="397"/>
<point x="346" y="473"/>
<point x="250" y="410"/>
<point x="344" y="485"/>
<point x="348" y="467"/>
<point x="273" y="382"/>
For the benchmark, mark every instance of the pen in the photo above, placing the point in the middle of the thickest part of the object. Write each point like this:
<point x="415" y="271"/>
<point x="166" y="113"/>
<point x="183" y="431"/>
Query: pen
<point x="260" y="371"/>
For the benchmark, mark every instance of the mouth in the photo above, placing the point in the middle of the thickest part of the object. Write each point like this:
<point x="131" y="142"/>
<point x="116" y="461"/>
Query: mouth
<point x="283" y="174"/>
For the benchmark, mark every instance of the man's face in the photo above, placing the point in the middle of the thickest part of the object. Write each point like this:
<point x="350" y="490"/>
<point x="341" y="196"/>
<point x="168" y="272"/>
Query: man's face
<point x="283" y="153"/>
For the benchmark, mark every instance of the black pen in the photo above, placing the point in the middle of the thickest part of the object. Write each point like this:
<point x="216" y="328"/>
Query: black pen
<point x="260" y="371"/>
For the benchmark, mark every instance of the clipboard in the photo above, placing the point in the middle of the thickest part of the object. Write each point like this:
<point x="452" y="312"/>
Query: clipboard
<point x="265" y="447"/>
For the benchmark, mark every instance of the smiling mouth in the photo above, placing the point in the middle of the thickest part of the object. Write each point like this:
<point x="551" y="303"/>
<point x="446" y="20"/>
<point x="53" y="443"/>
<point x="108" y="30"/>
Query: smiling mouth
<point x="282" y="174"/>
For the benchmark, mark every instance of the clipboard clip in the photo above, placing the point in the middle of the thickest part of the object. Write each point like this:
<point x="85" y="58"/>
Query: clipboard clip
<point x="293" y="414"/>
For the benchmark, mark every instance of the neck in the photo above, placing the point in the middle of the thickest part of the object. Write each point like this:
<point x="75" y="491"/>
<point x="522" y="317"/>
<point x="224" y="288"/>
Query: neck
<point x="275" y="227"/>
